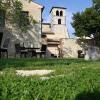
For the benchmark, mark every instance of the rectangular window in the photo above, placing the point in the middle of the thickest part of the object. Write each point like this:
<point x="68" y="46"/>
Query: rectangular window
<point x="1" y="35"/>
<point x="25" y="13"/>
<point x="25" y="18"/>
<point x="2" y="18"/>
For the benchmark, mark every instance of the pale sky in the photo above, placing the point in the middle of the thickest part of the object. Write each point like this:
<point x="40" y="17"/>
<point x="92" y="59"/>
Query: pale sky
<point x="72" y="6"/>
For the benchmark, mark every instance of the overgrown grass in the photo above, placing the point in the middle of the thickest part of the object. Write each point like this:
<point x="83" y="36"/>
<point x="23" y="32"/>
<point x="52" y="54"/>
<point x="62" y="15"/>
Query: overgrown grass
<point x="80" y="80"/>
<point x="61" y="66"/>
<point x="39" y="63"/>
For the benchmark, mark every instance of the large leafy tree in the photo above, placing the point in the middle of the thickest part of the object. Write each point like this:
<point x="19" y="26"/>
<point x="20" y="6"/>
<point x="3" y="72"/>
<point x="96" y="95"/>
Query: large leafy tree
<point x="96" y="5"/>
<point x="14" y="16"/>
<point x="87" y="23"/>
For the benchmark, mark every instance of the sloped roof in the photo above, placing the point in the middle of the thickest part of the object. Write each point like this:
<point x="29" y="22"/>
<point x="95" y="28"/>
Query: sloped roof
<point x="53" y="43"/>
<point x="32" y="3"/>
<point x="46" y="24"/>
<point x="58" y="8"/>
<point x="38" y="4"/>
<point x="48" y="32"/>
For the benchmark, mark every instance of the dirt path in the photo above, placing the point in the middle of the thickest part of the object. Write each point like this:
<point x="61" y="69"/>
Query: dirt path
<point x="33" y="72"/>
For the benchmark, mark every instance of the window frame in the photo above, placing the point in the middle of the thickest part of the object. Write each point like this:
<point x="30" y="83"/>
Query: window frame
<point x="61" y="13"/>
<point x="57" y="13"/>
<point x="25" y="13"/>
<point x="59" y="21"/>
<point x="2" y="18"/>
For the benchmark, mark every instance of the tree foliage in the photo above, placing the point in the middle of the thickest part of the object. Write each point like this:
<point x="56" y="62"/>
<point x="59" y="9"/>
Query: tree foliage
<point x="96" y="5"/>
<point x="13" y="14"/>
<point x="87" y="23"/>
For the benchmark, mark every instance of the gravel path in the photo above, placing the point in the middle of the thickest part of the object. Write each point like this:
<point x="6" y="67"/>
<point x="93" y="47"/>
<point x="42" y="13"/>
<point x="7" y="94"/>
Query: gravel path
<point x="33" y="72"/>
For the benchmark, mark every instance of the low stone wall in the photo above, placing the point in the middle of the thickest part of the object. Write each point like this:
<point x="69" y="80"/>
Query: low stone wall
<point x="92" y="53"/>
<point x="29" y="38"/>
<point x="70" y="48"/>
<point x="67" y="49"/>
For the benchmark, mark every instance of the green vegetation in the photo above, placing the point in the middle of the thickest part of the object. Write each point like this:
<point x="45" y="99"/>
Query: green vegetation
<point x="12" y="12"/>
<point x="87" y="23"/>
<point x="76" y="80"/>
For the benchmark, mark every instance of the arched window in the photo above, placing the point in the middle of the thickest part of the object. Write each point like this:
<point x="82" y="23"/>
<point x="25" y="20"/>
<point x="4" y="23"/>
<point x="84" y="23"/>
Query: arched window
<point x="57" y="13"/>
<point x="59" y="21"/>
<point x="61" y="13"/>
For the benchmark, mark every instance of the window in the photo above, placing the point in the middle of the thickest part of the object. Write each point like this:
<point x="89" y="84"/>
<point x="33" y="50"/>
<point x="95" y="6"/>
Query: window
<point x="59" y="21"/>
<point x="25" y="13"/>
<point x="24" y="18"/>
<point x="1" y="35"/>
<point x="49" y="26"/>
<point x="2" y="18"/>
<point x="57" y="13"/>
<point x="61" y="13"/>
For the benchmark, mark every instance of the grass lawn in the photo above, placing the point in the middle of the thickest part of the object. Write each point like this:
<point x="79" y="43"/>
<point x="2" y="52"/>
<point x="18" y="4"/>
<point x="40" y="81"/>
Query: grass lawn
<point x="73" y="79"/>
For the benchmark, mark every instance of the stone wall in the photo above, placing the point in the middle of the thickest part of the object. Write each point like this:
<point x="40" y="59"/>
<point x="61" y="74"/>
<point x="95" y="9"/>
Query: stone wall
<point x="32" y="37"/>
<point x="28" y="39"/>
<point x="70" y="48"/>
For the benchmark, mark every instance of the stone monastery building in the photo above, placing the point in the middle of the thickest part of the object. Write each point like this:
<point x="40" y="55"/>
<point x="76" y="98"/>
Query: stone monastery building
<point x="56" y="30"/>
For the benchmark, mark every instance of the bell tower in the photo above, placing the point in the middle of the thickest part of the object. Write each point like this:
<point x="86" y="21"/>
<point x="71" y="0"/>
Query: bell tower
<point x="58" y="22"/>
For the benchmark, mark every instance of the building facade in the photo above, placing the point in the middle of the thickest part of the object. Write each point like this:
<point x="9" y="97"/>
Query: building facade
<point x="59" y="42"/>
<point x="55" y="30"/>
<point x="30" y="38"/>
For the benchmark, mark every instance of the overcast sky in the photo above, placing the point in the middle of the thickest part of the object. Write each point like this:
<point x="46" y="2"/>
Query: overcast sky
<point x="72" y="6"/>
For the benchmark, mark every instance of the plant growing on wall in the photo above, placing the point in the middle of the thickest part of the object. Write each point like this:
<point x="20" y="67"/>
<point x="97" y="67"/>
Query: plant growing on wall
<point x="14" y="14"/>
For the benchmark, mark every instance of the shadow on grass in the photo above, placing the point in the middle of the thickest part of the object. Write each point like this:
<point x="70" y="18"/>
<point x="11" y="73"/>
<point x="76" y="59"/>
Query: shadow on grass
<point x="38" y="63"/>
<point x="88" y="96"/>
<point x="26" y="63"/>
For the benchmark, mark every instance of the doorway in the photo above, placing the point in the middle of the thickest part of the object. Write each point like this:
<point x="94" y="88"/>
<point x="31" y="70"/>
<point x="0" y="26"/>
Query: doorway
<point x="1" y="35"/>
